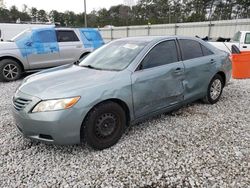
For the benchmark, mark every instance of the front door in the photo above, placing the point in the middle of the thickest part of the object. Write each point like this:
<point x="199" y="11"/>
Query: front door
<point x="245" y="46"/>
<point x="158" y="81"/>
<point x="43" y="51"/>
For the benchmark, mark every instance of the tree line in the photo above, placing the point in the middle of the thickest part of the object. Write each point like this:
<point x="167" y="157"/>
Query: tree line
<point x="144" y="12"/>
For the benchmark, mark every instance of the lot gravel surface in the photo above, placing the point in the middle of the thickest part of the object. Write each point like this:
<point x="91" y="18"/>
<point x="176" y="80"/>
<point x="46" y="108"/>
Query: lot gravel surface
<point x="196" y="146"/>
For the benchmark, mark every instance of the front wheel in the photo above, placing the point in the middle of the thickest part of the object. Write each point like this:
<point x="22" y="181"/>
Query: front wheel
<point x="214" y="90"/>
<point x="104" y="125"/>
<point x="10" y="70"/>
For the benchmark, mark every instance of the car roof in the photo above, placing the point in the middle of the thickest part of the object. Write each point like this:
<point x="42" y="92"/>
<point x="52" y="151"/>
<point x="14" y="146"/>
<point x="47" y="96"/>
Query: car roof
<point x="145" y="38"/>
<point x="156" y="38"/>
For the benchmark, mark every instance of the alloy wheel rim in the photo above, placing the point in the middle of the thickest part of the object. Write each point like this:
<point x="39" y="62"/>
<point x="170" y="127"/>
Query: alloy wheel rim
<point x="10" y="71"/>
<point x="105" y="125"/>
<point x="215" y="89"/>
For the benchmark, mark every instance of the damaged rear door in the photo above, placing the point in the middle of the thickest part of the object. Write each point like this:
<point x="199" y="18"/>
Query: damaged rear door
<point x="158" y="81"/>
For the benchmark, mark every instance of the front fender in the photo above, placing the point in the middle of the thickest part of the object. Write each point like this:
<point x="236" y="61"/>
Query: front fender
<point x="15" y="54"/>
<point x="120" y="89"/>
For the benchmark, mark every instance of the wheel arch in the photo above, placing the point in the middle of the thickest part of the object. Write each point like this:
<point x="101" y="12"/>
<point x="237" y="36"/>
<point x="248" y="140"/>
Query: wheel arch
<point x="13" y="58"/>
<point x="120" y="102"/>
<point x="223" y="75"/>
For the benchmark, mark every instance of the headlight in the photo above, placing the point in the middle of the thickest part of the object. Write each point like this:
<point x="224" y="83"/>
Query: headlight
<point x="58" y="104"/>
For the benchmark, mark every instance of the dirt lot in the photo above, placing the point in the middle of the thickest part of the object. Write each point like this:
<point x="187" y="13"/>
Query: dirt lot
<point x="196" y="146"/>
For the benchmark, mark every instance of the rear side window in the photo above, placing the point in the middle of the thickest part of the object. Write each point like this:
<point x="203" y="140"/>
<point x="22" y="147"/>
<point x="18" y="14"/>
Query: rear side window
<point x="162" y="54"/>
<point x="46" y="36"/>
<point x="66" y="36"/>
<point x="206" y="51"/>
<point x="91" y="35"/>
<point x="190" y="49"/>
<point x="247" y="39"/>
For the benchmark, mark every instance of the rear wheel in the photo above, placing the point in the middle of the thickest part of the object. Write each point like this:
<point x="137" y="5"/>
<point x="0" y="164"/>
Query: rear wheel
<point x="104" y="125"/>
<point x="10" y="70"/>
<point x="214" y="90"/>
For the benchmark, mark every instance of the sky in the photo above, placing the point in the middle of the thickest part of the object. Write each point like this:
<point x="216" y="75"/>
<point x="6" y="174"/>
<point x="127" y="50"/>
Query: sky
<point x="62" y="5"/>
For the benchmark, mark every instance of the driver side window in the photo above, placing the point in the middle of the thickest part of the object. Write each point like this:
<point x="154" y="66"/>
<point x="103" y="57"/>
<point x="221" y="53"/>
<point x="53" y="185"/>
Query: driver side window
<point x="162" y="54"/>
<point x="45" y="36"/>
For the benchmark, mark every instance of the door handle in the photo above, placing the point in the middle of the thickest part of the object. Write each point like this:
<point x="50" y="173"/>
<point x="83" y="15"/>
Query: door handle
<point x="212" y="61"/>
<point x="28" y="44"/>
<point x="244" y="46"/>
<point x="178" y="70"/>
<point x="52" y="49"/>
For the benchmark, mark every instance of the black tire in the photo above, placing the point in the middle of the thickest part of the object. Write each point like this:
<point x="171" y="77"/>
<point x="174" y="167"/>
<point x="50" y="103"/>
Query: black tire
<point x="213" y="97"/>
<point x="104" y="125"/>
<point x="10" y="70"/>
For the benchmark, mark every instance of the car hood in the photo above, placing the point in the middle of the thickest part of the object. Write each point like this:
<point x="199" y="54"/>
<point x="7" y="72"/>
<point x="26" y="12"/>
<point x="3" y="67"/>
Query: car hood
<point x="64" y="81"/>
<point x="7" y="45"/>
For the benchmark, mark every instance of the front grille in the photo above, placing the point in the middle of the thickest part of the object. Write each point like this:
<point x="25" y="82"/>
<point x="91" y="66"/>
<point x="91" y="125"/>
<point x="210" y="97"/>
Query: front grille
<point x="20" y="103"/>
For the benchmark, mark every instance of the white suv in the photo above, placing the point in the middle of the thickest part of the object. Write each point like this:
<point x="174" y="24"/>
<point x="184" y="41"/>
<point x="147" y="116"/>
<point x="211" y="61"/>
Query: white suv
<point x="36" y="49"/>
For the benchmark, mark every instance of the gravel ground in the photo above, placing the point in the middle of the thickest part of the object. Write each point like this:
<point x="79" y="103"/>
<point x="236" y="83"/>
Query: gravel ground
<point x="196" y="146"/>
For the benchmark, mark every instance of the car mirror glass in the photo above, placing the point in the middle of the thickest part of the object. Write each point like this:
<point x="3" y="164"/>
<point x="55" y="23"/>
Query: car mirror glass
<point x="235" y="49"/>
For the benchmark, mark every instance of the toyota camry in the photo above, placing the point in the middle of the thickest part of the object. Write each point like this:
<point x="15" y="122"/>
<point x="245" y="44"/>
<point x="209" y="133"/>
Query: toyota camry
<point x="121" y="83"/>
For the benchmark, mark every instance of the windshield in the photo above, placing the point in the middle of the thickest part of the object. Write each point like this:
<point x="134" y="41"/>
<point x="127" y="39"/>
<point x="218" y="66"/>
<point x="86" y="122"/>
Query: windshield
<point x="237" y="36"/>
<point x="21" y="35"/>
<point x="114" y="56"/>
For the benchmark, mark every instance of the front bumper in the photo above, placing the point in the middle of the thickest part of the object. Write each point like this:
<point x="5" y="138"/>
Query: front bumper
<point x="58" y="127"/>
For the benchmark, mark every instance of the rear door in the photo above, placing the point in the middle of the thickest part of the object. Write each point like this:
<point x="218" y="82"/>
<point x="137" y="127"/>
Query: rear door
<point x="200" y="66"/>
<point x="70" y="46"/>
<point x="158" y="81"/>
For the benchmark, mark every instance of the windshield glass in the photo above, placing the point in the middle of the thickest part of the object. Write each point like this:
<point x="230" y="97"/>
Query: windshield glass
<point x="114" y="56"/>
<point x="237" y="36"/>
<point x="21" y="35"/>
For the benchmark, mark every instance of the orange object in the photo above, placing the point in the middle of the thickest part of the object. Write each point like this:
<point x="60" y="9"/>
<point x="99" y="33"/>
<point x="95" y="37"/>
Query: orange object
<point x="241" y="65"/>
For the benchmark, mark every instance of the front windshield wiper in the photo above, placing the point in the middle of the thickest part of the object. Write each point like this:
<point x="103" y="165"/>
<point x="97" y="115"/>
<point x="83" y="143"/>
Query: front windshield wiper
<point x="91" y="67"/>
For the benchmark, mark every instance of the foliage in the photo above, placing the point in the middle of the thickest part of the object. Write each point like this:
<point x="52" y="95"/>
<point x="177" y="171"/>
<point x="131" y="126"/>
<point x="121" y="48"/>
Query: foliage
<point x="144" y="12"/>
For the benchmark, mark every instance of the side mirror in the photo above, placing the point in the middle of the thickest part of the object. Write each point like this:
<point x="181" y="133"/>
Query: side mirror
<point x="140" y="67"/>
<point x="235" y="49"/>
<point x="29" y="43"/>
<point x="76" y="62"/>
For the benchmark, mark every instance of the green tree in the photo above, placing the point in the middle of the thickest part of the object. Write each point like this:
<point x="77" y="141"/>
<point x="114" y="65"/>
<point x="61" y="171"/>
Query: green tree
<point x="42" y="16"/>
<point x="14" y="13"/>
<point x="4" y="15"/>
<point x="33" y="14"/>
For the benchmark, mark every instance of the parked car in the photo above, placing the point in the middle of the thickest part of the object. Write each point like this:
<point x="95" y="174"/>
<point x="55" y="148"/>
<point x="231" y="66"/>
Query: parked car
<point x="241" y="39"/>
<point x="40" y="48"/>
<point x="123" y="82"/>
